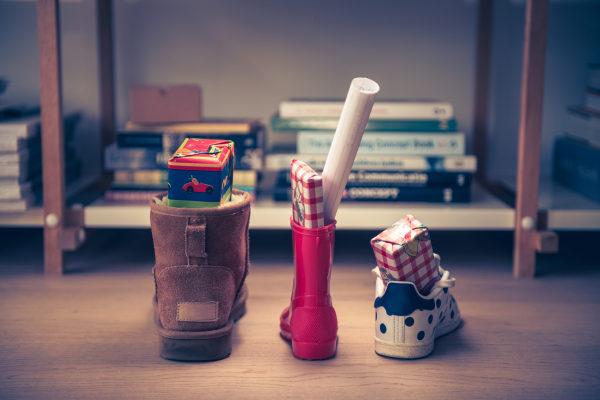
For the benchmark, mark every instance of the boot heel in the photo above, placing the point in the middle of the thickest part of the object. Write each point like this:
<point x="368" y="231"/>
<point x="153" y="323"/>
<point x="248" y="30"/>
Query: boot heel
<point x="195" y="349"/>
<point x="314" y="332"/>
<point x="314" y="351"/>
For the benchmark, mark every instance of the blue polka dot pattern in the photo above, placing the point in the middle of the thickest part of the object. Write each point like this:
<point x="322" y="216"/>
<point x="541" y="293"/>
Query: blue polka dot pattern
<point x="452" y="314"/>
<point x="430" y="320"/>
<point x="421" y="335"/>
<point x="409" y="321"/>
<point x="382" y="328"/>
<point x="438" y="303"/>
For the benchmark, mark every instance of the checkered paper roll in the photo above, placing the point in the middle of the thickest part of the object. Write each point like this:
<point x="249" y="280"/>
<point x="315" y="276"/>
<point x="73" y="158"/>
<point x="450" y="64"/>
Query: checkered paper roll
<point x="307" y="192"/>
<point x="404" y="253"/>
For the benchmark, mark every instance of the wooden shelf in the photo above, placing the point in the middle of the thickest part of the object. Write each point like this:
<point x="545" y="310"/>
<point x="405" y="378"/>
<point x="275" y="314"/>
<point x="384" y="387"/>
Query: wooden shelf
<point x="485" y="212"/>
<point x="34" y="216"/>
<point x="567" y="209"/>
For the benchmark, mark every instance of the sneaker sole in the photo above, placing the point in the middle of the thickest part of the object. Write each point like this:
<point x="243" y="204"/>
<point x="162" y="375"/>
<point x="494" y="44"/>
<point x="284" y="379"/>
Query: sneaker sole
<point x="409" y="350"/>
<point x="200" y="345"/>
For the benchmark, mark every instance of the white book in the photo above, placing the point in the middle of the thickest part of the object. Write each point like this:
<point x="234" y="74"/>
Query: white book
<point x="16" y="205"/>
<point x="465" y="163"/>
<point x="24" y="127"/>
<point x="388" y="143"/>
<point x="17" y="170"/>
<point x="15" y="157"/>
<point x="14" y="191"/>
<point x="400" y="109"/>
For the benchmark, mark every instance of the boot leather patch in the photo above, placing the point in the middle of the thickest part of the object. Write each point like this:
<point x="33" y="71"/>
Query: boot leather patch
<point x="198" y="311"/>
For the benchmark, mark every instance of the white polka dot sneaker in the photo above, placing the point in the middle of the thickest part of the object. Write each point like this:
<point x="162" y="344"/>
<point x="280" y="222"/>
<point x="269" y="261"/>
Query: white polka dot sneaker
<point x="407" y="323"/>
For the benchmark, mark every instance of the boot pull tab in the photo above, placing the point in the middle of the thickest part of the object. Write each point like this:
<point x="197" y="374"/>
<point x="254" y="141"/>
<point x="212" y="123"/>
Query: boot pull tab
<point x="317" y="241"/>
<point x="195" y="240"/>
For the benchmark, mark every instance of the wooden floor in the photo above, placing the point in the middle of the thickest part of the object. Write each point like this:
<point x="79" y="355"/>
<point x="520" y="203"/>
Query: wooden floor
<point x="90" y="334"/>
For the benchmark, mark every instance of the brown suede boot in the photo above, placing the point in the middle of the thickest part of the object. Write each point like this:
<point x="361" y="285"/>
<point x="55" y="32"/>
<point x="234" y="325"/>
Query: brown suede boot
<point x="201" y="263"/>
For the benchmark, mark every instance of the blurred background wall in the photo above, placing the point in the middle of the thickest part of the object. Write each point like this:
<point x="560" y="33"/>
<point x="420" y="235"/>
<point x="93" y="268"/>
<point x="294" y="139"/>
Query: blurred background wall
<point x="250" y="55"/>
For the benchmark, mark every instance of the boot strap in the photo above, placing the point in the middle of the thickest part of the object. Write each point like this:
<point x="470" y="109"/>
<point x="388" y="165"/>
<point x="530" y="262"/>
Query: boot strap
<point x="195" y="240"/>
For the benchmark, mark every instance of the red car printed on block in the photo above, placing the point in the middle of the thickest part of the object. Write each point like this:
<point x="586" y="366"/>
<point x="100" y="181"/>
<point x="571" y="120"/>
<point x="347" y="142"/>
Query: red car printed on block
<point x="195" y="186"/>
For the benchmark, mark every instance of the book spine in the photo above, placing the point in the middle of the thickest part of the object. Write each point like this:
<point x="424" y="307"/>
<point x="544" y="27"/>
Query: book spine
<point x="592" y="100"/>
<point x="131" y="176"/>
<point x="207" y="126"/>
<point x="594" y="76"/>
<point x="248" y="152"/>
<point x="310" y="142"/>
<point x="170" y="141"/>
<point x="432" y="125"/>
<point x="148" y="140"/>
<point x="397" y="179"/>
<point x="582" y="128"/>
<point x="131" y="195"/>
<point x="587" y="118"/>
<point x="15" y="192"/>
<point x="392" y="194"/>
<point x="17" y="205"/>
<point x="248" y="189"/>
<point x="577" y="166"/>
<point x="244" y="178"/>
<point x="381" y="109"/>
<point x="25" y="129"/>
<point x="465" y="163"/>
<point x="116" y="158"/>
<point x="10" y="144"/>
<point x="244" y="159"/>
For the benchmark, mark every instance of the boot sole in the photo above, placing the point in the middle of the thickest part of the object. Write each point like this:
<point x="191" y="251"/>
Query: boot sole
<point x="201" y="345"/>
<point x="409" y="350"/>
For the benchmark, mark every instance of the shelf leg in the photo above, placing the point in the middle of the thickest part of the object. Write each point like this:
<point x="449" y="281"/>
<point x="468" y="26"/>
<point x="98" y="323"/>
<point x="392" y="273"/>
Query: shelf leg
<point x="106" y="80"/>
<point x="482" y="85"/>
<point x="53" y="178"/>
<point x="530" y="132"/>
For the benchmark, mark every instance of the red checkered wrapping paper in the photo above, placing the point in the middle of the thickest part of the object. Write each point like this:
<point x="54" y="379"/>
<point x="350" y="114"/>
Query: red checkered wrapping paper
<point x="307" y="191"/>
<point x="404" y="253"/>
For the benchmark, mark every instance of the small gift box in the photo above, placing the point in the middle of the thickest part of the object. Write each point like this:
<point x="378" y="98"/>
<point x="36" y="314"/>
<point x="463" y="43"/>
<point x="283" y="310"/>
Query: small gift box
<point x="404" y="253"/>
<point x="200" y="173"/>
<point x="307" y="192"/>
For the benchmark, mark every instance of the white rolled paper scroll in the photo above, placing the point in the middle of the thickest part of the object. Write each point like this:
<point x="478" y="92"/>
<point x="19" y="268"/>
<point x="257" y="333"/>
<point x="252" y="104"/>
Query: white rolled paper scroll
<point x="346" y="140"/>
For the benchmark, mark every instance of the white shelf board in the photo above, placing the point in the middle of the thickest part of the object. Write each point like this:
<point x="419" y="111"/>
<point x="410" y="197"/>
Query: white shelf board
<point x="34" y="216"/>
<point x="106" y="214"/>
<point x="567" y="209"/>
<point x="485" y="212"/>
<point x="31" y="218"/>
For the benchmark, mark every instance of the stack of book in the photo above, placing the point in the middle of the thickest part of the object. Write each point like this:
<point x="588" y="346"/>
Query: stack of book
<point x="410" y="151"/>
<point x="140" y="156"/>
<point x="21" y="159"/>
<point x="577" y="153"/>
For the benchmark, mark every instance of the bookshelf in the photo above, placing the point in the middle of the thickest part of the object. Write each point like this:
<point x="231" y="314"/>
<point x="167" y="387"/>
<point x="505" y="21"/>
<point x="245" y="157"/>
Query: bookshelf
<point x="565" y="208"/>
<point x="486" y="212"/>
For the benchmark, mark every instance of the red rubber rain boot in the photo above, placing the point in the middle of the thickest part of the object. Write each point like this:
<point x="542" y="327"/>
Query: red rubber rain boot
<point x="310" y="321"/>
